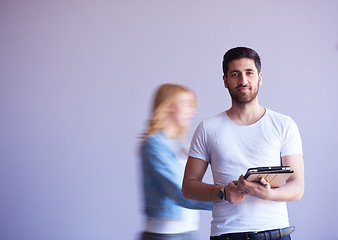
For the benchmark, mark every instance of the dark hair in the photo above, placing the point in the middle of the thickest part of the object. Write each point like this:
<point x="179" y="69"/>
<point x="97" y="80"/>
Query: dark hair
<point x="238" y="53"/>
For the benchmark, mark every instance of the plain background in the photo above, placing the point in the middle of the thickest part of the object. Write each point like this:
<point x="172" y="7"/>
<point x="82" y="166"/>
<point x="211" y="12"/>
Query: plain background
<point x="76" y="84"/>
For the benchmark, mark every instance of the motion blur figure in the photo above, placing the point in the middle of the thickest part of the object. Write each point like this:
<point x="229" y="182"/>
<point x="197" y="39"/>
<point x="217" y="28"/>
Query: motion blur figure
<point x="168" y="214"/>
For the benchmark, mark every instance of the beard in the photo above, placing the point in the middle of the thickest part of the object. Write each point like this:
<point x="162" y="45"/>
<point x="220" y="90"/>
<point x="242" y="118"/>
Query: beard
<point x="243" y="98"/>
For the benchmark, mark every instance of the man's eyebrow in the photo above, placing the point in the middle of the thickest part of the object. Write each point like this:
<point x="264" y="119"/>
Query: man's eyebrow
<point x="246" y="70"/>
<point x="234" y="71"/>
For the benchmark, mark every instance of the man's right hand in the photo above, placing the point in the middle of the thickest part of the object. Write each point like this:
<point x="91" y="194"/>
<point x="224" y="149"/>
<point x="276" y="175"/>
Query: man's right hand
<point x="233" y="195"/>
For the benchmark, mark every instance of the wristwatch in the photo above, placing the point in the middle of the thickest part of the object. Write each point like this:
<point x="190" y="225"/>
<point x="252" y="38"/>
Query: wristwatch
<point x="221" y="194"/>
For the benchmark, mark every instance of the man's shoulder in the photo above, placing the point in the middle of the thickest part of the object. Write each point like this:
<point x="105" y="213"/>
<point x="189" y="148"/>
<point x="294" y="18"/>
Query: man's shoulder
<point x="279" y="119"/>
<point x="276" y="115"/>
<point x="216" y="118"/>
<point x="211" y="124"/>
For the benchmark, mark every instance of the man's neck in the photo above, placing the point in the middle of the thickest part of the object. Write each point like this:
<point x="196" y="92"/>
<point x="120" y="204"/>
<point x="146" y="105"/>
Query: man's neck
<point x="246" y="114"/>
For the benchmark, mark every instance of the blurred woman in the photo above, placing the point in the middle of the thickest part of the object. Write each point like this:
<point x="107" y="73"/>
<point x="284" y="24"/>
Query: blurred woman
<point x="169" y="214"/>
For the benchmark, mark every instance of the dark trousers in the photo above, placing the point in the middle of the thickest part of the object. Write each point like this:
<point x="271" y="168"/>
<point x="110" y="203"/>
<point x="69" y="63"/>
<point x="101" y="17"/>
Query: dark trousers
<point x="219" y="238"/>
<point x="273" y="234"/>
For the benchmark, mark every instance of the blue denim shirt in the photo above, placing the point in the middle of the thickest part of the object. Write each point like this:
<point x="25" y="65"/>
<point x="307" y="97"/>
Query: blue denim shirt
<point x="162" y="180"/>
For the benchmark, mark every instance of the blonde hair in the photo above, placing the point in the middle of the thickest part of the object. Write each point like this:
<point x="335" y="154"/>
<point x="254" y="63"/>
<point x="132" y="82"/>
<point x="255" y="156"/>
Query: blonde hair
<point x="165" y="95"/>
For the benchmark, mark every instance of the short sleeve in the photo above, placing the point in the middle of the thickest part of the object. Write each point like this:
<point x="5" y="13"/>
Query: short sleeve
<point x="198" y="148"/>
<point x="292" y="143"/>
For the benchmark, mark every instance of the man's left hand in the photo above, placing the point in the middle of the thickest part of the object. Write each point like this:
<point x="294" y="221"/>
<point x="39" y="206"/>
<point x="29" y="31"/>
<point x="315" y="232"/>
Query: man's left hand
<point x="260" y="189"/>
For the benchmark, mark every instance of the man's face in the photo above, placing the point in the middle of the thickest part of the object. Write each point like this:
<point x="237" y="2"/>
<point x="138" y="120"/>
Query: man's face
<point x="243" y="80"/>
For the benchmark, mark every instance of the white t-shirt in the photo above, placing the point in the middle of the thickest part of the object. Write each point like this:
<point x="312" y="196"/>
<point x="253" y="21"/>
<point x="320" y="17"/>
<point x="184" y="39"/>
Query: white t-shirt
<point x="231" y="149"/>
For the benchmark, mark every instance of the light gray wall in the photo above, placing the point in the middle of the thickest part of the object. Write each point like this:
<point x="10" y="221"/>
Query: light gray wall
<point x="76" y="81"/>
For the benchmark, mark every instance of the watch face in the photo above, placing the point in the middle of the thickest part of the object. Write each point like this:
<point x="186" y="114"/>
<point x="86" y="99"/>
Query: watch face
<point x="221" y="194"/>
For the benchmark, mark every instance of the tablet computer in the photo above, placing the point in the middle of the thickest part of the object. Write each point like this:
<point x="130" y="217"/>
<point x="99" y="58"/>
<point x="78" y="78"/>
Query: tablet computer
<point x="275" y="176"/>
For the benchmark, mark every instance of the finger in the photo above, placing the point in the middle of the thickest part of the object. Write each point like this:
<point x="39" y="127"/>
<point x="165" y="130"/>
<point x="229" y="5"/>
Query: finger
<point x="241" y="188"/>
<point x="264" y="182"/>
<point x="266" y="185"/>
<point x="241" y="178"/>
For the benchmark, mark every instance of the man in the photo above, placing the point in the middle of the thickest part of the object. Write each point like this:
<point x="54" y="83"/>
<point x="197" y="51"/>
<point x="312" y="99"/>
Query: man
<point x="246" y="135"/>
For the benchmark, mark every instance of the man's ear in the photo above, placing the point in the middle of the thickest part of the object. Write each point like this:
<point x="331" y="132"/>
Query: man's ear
<point x="260" y="78"/>
<point x="225" y="82"/>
